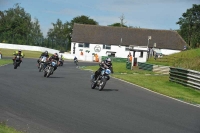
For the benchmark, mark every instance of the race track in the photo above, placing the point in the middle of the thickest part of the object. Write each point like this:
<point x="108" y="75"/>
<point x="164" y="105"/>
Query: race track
<point x="65" y="103"/>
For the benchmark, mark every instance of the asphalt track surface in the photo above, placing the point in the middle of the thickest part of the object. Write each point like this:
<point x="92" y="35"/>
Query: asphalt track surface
<point x="65" y="103"/>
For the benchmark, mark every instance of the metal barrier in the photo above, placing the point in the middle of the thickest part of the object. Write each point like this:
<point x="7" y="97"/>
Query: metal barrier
<point x="185" y="76"/>
<point x="145" y="66"/>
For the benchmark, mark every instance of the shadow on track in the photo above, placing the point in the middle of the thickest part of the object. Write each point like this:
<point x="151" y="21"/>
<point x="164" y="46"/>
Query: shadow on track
<point x="107" y="89"/>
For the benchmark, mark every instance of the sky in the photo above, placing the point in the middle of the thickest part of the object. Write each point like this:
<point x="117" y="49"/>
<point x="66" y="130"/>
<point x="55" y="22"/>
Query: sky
<point x="150" y="14"/>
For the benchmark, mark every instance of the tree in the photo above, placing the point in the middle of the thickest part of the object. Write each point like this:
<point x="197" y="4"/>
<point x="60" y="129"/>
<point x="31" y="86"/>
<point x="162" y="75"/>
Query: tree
<point x="190" y="26"/>
<point x="118" y="25"/>
<point x="16" y="27"/>
<point x="80" y="20"/>
<point x="121" y="24"/>
<point x="58" y="36"/>
<point x="35" y="35"/>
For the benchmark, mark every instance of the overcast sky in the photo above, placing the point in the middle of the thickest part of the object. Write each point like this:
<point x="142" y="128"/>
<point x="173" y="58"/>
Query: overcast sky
<point x="151" y="14"/>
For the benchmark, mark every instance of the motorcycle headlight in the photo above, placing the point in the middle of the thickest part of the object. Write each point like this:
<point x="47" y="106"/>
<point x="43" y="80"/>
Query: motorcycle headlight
<point x="108" y="71"/>
<point x="53" y="63"/>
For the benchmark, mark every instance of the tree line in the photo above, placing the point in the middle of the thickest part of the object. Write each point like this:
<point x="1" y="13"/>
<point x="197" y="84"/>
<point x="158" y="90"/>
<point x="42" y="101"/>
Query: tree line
<point x="16" y="27"/>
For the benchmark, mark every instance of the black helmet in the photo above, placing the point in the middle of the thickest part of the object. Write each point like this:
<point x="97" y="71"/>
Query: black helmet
<point x="46" y="52"/>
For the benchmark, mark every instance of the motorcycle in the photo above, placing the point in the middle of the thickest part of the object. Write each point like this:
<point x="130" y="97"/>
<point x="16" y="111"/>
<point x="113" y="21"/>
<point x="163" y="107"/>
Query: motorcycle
<point x="101" y="79"/>
<point x="49" y="68"/>
<point x="42" y="63"/>
<point x="76" y="62"/>
<point x="16" y="62"/>
<point x="60" y="62"/>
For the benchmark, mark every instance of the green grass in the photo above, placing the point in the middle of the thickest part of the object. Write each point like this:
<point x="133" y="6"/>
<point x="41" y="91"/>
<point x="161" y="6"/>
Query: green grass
<point x="5" y="129"/>
<point x="189" y="59"/>
<point x="155" y="82"/>
<point x="5" y="61"/>
<point x="28" y="54"/>
<point x="9" y="53"/>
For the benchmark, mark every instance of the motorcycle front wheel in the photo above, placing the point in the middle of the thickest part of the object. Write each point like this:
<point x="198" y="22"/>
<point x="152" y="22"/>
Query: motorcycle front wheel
<point x="40" y="67"/>
<point x="45" y="73"/>
<point x="102" y="84"/>
<point x="93" y="84"/>
<point x="15" y="65"/>
<point x="48" y="73"/>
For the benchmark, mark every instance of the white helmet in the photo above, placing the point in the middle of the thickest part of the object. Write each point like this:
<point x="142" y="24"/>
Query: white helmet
<point x="108" y="59"/>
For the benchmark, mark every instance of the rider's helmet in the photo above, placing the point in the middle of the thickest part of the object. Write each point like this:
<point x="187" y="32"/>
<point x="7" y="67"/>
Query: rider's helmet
<point x="19" y="51"/>
<point x="108" y="61"/>
<point x="56" y="54"/>
<point x="46" y="52"/>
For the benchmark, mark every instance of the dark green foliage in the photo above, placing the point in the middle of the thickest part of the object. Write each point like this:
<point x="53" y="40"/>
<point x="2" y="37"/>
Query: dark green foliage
<point x="190" y="26"/>
<point x="16" y="27"/>
<point x="118" y="25"/>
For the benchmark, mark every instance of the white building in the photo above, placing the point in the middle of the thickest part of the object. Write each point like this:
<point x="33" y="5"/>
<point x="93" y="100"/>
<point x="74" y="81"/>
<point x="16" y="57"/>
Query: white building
<point x="116" y="41"/>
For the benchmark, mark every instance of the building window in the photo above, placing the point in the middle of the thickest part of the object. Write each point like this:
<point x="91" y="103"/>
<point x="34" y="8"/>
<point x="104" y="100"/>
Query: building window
<point x="80" y="45"/>
<point x="126" y="48"/>
<point x="84" y="45"/>
<point x="141" y="54"/>
<point x="106" y="46"/>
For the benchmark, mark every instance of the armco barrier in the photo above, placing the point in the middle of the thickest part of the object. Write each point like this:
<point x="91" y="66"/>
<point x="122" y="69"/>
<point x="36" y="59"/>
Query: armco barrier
<point x="155" y="68"/>
<point x="145" y="66"/>
<point x="185" y="76"/>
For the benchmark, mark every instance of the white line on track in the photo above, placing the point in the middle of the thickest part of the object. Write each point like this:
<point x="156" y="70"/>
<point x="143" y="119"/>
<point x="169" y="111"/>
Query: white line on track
<point x="196" y="105"/>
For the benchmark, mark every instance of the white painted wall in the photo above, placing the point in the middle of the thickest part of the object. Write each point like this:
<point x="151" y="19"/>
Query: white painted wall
<point x="120" y="51"/>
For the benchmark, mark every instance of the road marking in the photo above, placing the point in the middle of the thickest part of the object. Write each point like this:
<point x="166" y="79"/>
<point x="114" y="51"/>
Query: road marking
<point x="195" y="105"/>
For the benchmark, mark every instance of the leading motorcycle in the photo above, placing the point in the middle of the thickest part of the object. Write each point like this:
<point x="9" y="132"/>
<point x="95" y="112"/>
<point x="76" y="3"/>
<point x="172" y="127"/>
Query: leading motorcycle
<point x="76" y="62"/>
<point x="101" y="80"/>
<point x="16" y="62"/>
<point x="50" y="68"/>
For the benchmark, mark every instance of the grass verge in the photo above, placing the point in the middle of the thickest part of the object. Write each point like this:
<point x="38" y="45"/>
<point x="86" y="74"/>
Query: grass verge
<point x="5" y="61"/>
<point x="5" y="129"/>
<point x="155" y="82"/>
<point x="28" y="54"/>
<point x="9" y="53"/>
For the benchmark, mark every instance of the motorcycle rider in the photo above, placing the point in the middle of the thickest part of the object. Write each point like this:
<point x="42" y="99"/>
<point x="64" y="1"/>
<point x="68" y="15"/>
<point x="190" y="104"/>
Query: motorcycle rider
<point x="106" y="64"/>
<point x="61" y="57"/>
<point x="54" y="57"/>
<point x="43" y="54"/>
<point x="75" y="58"/>
<point x="61" y="60"/>
<point x="18" y="53"/>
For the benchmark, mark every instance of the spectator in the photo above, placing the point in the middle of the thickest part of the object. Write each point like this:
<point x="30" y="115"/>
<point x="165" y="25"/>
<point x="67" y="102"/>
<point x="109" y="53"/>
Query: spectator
<point x="129" y="57"/>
